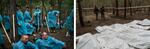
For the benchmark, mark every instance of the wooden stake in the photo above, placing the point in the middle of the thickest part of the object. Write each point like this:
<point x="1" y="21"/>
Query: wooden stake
<point x="47" y="25"/>
<point x="6" y="34"/>
<point x="14" y="27"/>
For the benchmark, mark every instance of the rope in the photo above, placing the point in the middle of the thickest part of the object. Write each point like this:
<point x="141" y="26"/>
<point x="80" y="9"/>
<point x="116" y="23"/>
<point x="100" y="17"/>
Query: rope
<point x="134" y="7"/>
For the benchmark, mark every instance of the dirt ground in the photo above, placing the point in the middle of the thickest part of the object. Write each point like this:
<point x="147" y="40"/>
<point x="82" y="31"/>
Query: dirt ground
<point x="91" y="25"/>
<point x="62" y="36"/>
<point x="69" y="41"/>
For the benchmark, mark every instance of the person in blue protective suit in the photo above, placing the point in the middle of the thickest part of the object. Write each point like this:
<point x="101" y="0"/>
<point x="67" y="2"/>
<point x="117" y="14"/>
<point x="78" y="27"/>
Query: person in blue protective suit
<point x="23" y="27"/>
<point x="30" y="28"/>
<point x="37" y="18"/>
<point x="48" y="42"/>
<point x="24" y="43"/>
<point x="52" y="19"/>
<point x="20" y="22"/>
<point x="2" y="40"/>
<point x="1" y="18"/>
<point x="7" y="23"/>
<point x="56" y="14"/>
<point x="1" y="35"/>
<point x="27" y="16"/>
<point x="27" y="19"/>
<point x="69" y="23"/>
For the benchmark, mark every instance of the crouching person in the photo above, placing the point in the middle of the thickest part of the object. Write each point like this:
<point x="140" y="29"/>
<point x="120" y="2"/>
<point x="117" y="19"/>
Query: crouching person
<point x="24" y="43"/>
<point x="48" y="42"/>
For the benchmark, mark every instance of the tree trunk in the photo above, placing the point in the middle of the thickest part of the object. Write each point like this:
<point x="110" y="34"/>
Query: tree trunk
<point x="125" y="5"/>
<point x="130" y="4"/>
<point x="80" y="13"/>
<point x="117" y="14"/>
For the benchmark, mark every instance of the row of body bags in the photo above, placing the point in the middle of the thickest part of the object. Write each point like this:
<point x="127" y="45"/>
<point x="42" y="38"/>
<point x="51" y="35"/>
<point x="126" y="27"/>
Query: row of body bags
<point x="132" y="35"/>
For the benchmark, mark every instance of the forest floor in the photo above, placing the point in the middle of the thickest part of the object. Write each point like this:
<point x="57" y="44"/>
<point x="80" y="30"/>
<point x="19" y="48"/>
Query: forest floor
<point x="91" y="25"/>
<point x="61" y="35"/>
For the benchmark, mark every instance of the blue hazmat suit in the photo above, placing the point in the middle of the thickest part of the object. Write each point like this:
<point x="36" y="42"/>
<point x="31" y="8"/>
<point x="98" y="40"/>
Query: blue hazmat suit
<point x="27" y="19"/>
<point x="52" y="18"/>
<point x="37" y="17"/>
<point x="69" y="22"/>
<point x="20" y="21"/>
<point x="30" y="28"/>
<point x="6" y="20"/>
<point x="1" y="18"/>
<point x="27" y="16"/>
<point x="1" y="35"/>
<point x="49" y="43"/>
<point x="21" y="45"/>
<point x="23" y="28"/>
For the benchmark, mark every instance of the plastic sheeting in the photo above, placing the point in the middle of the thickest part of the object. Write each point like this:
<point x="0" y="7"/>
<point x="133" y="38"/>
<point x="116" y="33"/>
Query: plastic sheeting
<point x="117" y="36"/>
<point x="145" y="22"/>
